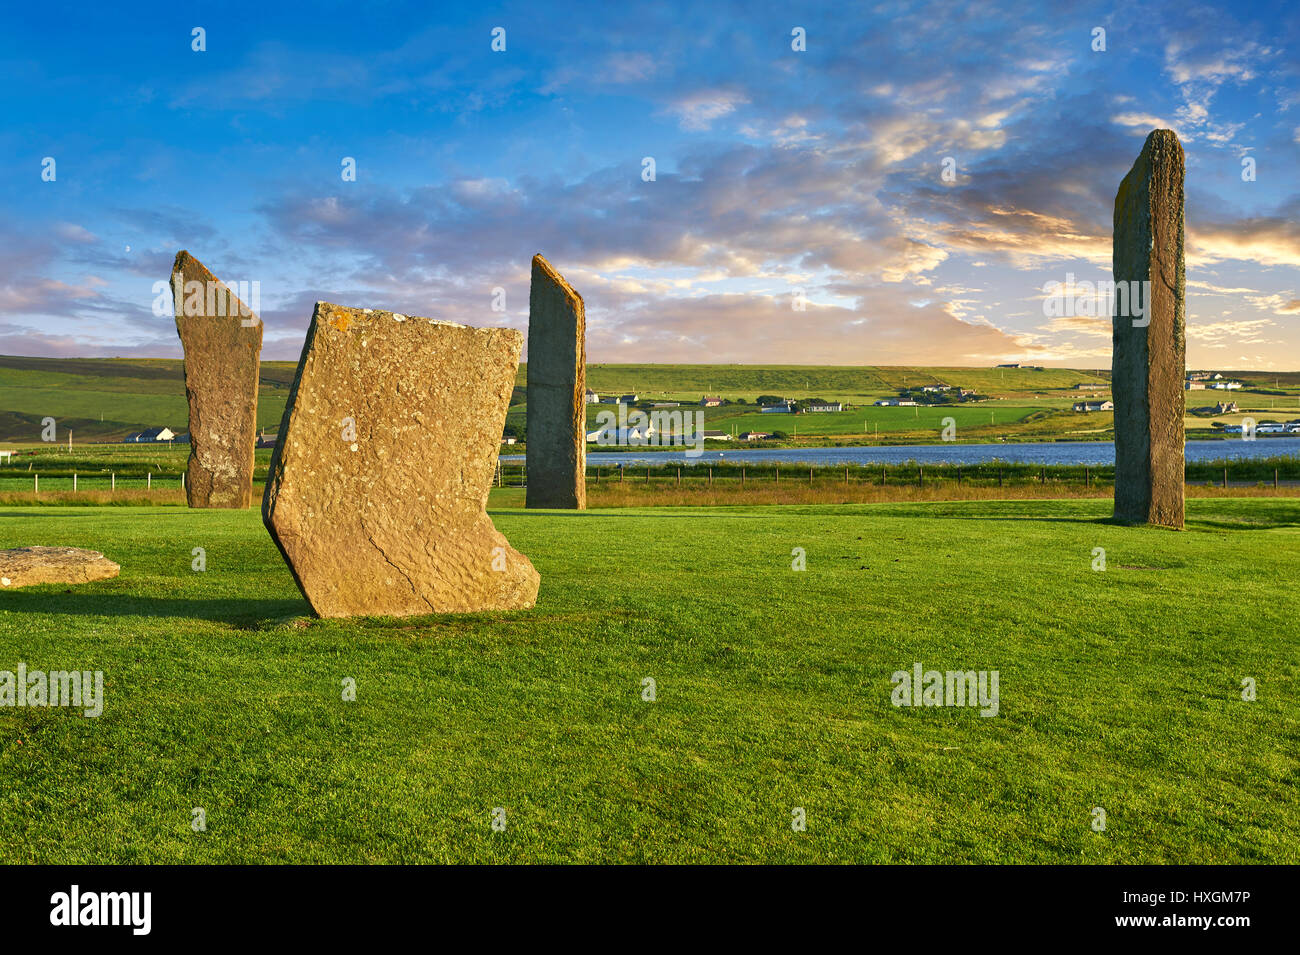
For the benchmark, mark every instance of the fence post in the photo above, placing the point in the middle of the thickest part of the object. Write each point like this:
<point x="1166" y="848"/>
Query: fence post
<point x="36" y="484"/>
<point x="679" y="477"/>
<point x="148" y="480"/>
<point x="777" y="479"/>
<point x="74" y="480"/>
<point x="112" y="481"/>
<point x="882" y="475"/>
<point x="710" y="477"/>
<point x="1087" y="478"/>
<point x="999" y="477"/>
<point x="846" y="474"/>
<point x="1225" y="479"/>
<point x="810" y="475"/>
<point x="620" y="474"/>
<point x="959" y="477"/>
<point x="920" y="476"/>
<point x="647" y="474"/>
<point x="742" y="475"/>
<point x="1275" y="479"/>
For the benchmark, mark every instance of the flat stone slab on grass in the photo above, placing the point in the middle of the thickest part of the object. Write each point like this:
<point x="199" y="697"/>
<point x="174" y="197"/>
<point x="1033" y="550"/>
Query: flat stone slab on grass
<point x="378" y="487"/>
<point x="25" y="566"/>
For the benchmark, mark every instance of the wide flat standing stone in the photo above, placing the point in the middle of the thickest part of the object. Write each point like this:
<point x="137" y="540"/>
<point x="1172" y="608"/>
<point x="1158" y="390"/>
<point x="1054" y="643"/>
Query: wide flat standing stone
<point x="378" y="487"/>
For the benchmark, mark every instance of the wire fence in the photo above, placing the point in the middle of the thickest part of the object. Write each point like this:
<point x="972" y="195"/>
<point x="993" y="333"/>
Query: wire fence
<point x="1277" y="472"/>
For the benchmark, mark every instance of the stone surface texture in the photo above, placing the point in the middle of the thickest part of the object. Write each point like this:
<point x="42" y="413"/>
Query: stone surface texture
<point x="1149" y="364"/>
<point x="24" y="566"/>
<point x="378" y="487"/>
<point x="557" y="387"/>
<point x="223" y="348"/>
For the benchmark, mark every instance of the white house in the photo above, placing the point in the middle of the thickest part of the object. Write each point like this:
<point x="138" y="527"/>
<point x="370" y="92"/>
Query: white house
<point x="777" y="409"/>
<point x="895" y="402"/>
<point x="153" y="434"/>
<point x="635" y="435"/>
<point x="826" y="406"/>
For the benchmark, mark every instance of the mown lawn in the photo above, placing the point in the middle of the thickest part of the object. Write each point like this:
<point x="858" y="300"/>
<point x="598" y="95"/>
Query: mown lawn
<point x="1118" y="689"/>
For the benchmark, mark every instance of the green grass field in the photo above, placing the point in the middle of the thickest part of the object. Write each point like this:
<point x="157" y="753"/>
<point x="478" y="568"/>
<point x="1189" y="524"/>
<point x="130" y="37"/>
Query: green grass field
<point x="106" y="399"/>
<point x="866" y="420"/>
<point x="1118" y="689"/>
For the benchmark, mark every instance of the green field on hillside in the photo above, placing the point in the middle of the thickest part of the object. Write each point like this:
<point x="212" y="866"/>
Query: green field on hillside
<point x="691" y="382"/>
<point x="106" y="399"/>
<point x="866" y="420"/>
<point x="110" y="398"/>
<point x="1119" y="689"/>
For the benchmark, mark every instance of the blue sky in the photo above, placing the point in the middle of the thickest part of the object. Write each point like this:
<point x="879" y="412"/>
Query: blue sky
<point x="776" y="170"/>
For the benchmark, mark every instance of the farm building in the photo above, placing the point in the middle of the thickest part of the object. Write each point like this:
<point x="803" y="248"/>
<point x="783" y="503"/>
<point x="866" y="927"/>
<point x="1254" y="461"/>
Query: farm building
<point x="152" y="435"/>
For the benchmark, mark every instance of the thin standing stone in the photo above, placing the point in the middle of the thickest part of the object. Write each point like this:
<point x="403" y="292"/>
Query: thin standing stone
<point x="222" y="339"/>
<point x="1149" y="348"/>
<point x="557" y="386"/>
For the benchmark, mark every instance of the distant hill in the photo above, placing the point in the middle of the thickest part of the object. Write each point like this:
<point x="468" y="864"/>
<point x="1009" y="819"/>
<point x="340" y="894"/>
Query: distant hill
<point x="109" y="398"/>
<point x="844" y="382"/>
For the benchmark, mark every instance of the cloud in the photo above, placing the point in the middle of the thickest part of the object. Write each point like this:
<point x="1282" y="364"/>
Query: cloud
<point x="1230" y="333"/>
<point x="1271" y="240"/>
<point x="777" y="169"/>
<point x="698" y="111"/>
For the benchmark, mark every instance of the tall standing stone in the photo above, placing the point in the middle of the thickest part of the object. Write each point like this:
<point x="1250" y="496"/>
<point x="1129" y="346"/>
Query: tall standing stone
<point x="378" y="487"/>
<point x="222" y="339"/>
<point x="557" y="389"/>
<point x="1149" y="349"/>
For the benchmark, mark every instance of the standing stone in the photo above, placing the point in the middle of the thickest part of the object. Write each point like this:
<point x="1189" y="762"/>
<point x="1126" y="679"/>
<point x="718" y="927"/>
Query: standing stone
<point x="1149" y="354"/>
<point x="557" y="390"/>
<point x="222" y="339"/>
<point x="378" y="486"/>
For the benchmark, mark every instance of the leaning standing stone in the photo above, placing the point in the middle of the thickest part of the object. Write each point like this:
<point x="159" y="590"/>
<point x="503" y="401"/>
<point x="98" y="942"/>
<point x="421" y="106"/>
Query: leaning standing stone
<point x="222" y="339"/>
<point x="557" y="387"/>
<point x="1149" y="363"/>
<point x="378" y="487"/>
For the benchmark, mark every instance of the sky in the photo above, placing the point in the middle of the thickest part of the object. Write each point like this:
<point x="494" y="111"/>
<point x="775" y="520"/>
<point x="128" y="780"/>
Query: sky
<point x="900" y="190"/>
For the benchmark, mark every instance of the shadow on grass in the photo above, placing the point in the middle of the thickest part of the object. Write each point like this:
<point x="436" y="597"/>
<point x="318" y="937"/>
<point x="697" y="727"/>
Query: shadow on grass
<point x="240" y="613"/>
<point x="1245" y="524"/>
<point x="640" y="511"/>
